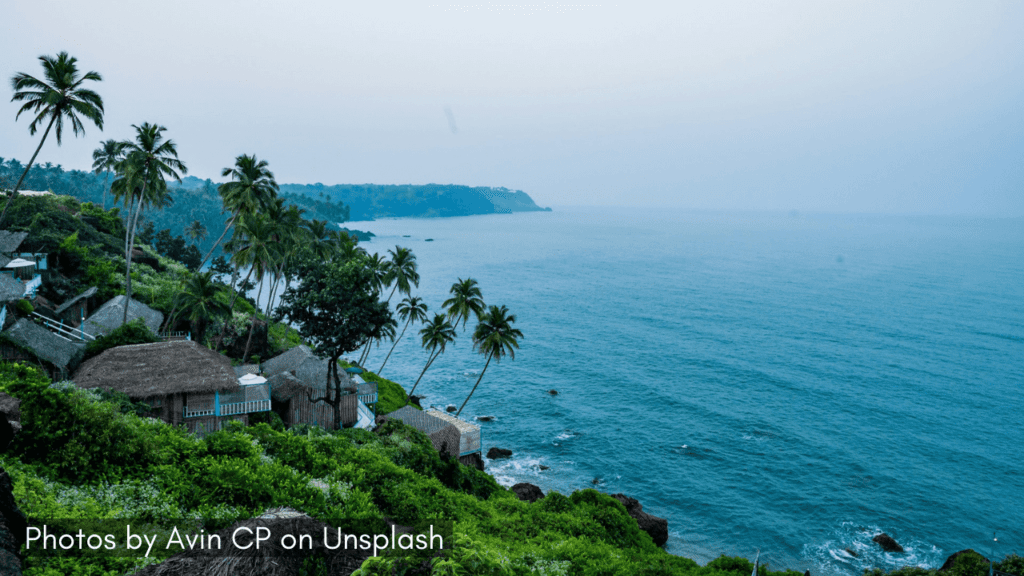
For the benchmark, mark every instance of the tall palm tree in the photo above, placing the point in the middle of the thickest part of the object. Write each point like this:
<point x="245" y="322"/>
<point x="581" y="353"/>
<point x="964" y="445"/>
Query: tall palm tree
<point x="196" y="231"/>
<point x="253" y="247"/>
<point x="148" y="162"/>
<point x="105" y="159"/>
<point x="292" y="236"/>
<point x="379" y="270"/>
<point x="251" y="189"/>
<point x="60" y="96"/>
<point x="466" y="298"/>
<point x="435" y="336"/>
<point x="200" y="299"/>
<point x="411" y="309"/>
<point x="495" y="337"/>
<point x="346" y="246"/>
<point x="401" y="270"/>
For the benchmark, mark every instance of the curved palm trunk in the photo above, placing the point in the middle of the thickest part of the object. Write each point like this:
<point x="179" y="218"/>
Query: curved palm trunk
<point x="475" y="385"/>
<point x="429" y="362"/>
<point x="17" y="186"/>
<point x="252" y="323"/>
<point x="106" y="176"/>
<point x="174" y="306"/>
<point x="231" y="310"/>
<point x="128" y="254"/>
<point x="407" y="322"/>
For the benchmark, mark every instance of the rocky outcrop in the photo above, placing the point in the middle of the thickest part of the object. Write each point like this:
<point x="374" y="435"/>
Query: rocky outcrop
<point x="12" y="521"/>
<point x="495" y="453"/>
<point x="527" y="492"/>
<point x="887" y="543"/>
<point x="653" y="525"/>
<point x="473" y="460"/>
<point x="851" y="552"/>
<point x="952" y="559"/>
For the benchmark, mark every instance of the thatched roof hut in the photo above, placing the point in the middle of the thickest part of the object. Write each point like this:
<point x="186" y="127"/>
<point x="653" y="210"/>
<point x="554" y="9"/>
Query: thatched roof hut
<point x="445" y="436"/>
<point x="10" y="241"/>
<point x="10" y="289"/>
<point x="108" y="317"/>
<point x="83" y="296"/>
<point x="46" y="345"/>
<point x="302" y="363"/>
<point x="287" y="361"/>
<point x="271" y="559"/>
<point x="161" y="368"/>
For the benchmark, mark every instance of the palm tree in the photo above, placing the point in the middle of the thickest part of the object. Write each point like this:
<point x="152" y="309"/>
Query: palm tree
<point x="495" y="337"/>
<point x="379" y="269"/>
<point x="59" y="97"/>
<point x="466" y="298"/>
<point x="253" y="246"/>
<point x="411" y="309"/>
<point x="251" y="189"/>
<point x="196" y="231"/>
<point x="200" y="299"/>
<point x="148" y="161"/>
<point x="105" y="159"/>
<point x="401" y="270"/>
<point x="435" y="336"/>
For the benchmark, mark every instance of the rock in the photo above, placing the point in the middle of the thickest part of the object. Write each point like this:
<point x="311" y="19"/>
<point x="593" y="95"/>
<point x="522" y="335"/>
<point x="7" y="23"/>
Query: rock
<point x="543" y="467"/>
<point x="485" y="418"/>
<point x="450" y="408"/>
<point x="851" y="552"/>
<point x="653" y="525"/>
<point x="952" y="559"/>
<point x="553" y="392"/>
<point x="887" y="543"/>
<point x="495" y="453"/>
<point x="595" y="481"/>
<point x="807" y="573"/>
<point x="528" y="492"/>
<point x="415" y="400"/>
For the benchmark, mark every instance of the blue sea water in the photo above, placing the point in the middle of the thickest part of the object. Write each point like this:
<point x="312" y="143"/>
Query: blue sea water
<point x="787" y="383"/>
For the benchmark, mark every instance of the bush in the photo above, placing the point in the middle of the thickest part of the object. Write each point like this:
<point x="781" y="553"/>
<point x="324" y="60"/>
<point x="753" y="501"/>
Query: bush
<point x="134" y="332"/>
<point x="24" y="308"/>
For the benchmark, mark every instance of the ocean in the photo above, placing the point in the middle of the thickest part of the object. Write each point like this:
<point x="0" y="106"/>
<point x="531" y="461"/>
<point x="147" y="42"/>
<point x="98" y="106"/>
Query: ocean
<point x="777" y="382"/>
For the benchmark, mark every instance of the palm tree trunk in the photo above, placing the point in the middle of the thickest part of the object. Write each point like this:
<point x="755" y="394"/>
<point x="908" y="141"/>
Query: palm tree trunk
<point x="231" y="310"/>
<point x="131" y="247"/>
<point x="106" y="176"/>
<point x="337" y="393"/>
<point x="475" y="385"/>
<point x="25" y="173"/>
<point x="174" y="306"/>
<point x="252" y="323"/>
<point x="407" y="322"/>
<point x="429" y="362"/>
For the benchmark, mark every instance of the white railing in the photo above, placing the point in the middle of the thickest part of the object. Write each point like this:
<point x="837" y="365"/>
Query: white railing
<point x="197" y="413"/>
<point x="245" y="407"/>
<point x="66" y="332"/>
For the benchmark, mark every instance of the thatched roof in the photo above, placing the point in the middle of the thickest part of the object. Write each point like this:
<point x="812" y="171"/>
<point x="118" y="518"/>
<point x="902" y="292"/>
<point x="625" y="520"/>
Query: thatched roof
<point x="108" y="317"/>
<point x="83" y="296"/>
<point x="10" y="241"/>
<point x="459" y="423"/>
<point x="247" y="369"/>
<point x="271" y="559"/>
<point x="418" y="419"/>
<point x="145" y="370"/>
<point x="444" y="433"/>
<point x="44" y="344"/>
<point x="10" y="289"/>
<point x="287" y="361"/>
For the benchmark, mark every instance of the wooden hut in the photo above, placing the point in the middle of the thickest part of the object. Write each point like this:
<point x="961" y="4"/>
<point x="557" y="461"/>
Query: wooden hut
<point x="109" y="316"/>
<point x="184" y="382"/>
<point x="448" y="434"/>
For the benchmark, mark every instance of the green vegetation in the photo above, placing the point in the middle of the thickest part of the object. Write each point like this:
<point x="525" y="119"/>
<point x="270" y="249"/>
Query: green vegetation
<point x="134" y="332"/>
<point x="970" y="564"/>
<point x="23" y="308"/>
<point x="66" y="464"/>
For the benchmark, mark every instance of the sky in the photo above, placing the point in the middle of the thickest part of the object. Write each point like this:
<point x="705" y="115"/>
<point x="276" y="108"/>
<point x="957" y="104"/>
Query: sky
<point x="867" y="107"/>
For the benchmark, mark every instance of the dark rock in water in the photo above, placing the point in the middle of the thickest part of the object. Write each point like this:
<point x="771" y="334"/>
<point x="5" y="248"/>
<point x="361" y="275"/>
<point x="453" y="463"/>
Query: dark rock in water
<point x="414" y="399"/>
<point x="595" y="481"/>
<point x="429" y="240"/>
<point x="543" y="467"/>
<point x="851" y="552"/>
<point x="473" y="460"/>
<point x="406" y="236"/>
<point x="952" y="559"/>
<point x="494" y="453"/>
<point x="653" y="525"/>
<point x="527" y="492"/>
<point x="887" y="543"/>
<point x="807" y="573"/>
<point x="553" y="392"/>
<point x="485" y="418"/>
<point x="450" y="408"/>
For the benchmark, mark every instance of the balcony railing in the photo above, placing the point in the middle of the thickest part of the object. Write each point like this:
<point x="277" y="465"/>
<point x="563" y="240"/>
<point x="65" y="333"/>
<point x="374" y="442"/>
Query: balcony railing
<point x="249" y="398"/>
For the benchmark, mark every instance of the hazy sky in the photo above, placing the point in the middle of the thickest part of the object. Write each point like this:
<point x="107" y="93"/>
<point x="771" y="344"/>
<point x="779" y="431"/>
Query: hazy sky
<point x="892" y="106"/>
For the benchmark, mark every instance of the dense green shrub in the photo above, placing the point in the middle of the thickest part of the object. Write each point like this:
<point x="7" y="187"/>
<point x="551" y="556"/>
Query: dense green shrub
<point x="24" y="308"/>
<point x="134" y="332"/>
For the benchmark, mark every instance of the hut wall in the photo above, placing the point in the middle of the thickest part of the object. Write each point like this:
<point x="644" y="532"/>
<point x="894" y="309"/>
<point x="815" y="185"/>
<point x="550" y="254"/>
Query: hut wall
<point x="302" y="410"/>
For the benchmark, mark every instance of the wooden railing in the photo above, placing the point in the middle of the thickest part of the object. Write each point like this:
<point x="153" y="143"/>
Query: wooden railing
<point x="245" y="407"/>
